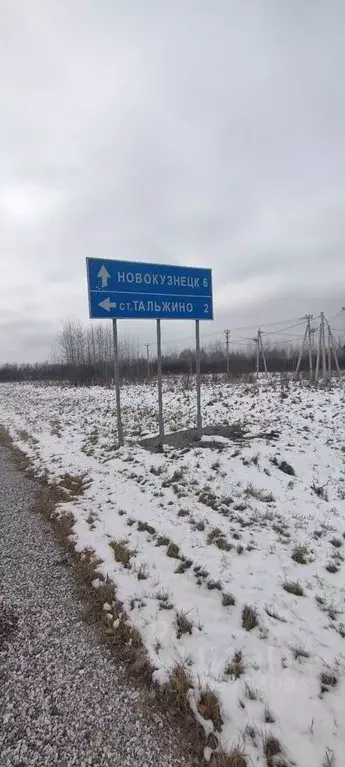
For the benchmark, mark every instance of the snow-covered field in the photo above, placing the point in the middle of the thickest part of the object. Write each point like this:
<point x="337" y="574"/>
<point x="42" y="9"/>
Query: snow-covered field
<point x="232" y="551"/>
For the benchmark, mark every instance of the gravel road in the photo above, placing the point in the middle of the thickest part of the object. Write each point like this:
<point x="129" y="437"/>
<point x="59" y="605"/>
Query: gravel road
<point x="63" y="699"/>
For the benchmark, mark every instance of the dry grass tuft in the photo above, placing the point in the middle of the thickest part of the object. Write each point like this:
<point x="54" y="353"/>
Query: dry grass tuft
<point x="209" y="708"/>
<point x="336" y="542"/>
<point x="121" y="552"/>
<point x="106" y="591"/>
<point x="328" y="679"/>
<point x="212" y="585"/>
<point x="91" y="519"/>
<point x="272" y="748"/>
<point x="228" y="600"/>
<point x="300" y="555"/>
<point x="128" y="640"/>
<point x="164" y="600"/>
<point x="236" y="758"/>
<point x="182" y="624"/>
<point x="88" y="562"/>
<point x="74" y="484"/>
<point x="173" y="551"/>
<point x="293" y="587"/>
<point x="249" y="617"/>
<point x="260" y="495"/>
<point x="299" y="652"/>
<point x="272" y="612"/>
<point x="218" y="538"/>
<point x="236" y="668"/>
<point x="184" y="565"/>
<point x="144" y="527"/>
<point x="214" y="534"/>
<point x="21" y="460"/>
<point x="332" y="568"/>
<point x="223" y="544"/>
<point x="143" y="572"/>
<point x="48" y="497"/>
<point x="162" y="540"/>
<point x="179" y="684"/>
<point x="250" y="693"/>
<point x="320" y="491"/>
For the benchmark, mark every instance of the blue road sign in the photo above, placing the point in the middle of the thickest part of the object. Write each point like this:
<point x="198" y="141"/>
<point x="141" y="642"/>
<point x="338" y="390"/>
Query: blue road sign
<point x="133" y="290"/>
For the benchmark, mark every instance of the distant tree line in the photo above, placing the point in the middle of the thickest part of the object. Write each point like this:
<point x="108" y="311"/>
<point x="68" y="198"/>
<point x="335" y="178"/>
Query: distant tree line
<point x="84" y="356"/>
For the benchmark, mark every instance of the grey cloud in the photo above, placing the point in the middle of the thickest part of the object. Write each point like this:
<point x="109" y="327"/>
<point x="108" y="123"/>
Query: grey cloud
<point x="195" y="133"/>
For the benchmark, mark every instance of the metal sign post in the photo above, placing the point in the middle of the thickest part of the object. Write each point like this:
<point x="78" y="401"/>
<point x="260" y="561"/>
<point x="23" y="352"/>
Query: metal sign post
<point x="160" y="387"/>
<point x="136" y="290"/>
<point x="117" y="385"/>
<point x="198" y="380"/>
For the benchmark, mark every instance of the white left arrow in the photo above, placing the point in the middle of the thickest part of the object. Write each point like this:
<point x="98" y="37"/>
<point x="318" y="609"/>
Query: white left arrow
<point x="104" y="275"/>
<point x="107" y="304"/>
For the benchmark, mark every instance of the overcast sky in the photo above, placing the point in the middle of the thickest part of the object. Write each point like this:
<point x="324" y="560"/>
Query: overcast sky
<point x="197" y="132"/>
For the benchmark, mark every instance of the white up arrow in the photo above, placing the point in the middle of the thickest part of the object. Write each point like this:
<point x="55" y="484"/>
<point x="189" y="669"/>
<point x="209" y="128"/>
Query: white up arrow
<point x="104" y="275"/>
<point x="107" y="304"/>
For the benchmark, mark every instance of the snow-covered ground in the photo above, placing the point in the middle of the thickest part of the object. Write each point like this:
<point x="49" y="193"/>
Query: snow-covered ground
<point x="234" y="549"/>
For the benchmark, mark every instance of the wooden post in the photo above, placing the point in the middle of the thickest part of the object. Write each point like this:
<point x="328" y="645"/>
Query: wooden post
<point x="310" y="348"/>
<point x="318" y="356"/>
<point x="323" y="345"/>
<point x="335" y="354"/>
<point x="329" y="352"/>
<point x="262" y="351"/>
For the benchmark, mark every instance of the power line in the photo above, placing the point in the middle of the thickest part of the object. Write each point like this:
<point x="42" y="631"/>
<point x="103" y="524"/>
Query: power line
<point x="341" y="346"/>
<point x="296" y="323"/>
<point x="234" y="330"/>
<point x="275" y="332"/>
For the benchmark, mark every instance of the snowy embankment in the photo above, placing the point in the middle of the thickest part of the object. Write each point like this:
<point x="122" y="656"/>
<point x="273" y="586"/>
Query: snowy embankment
<point x="228" y="556"/>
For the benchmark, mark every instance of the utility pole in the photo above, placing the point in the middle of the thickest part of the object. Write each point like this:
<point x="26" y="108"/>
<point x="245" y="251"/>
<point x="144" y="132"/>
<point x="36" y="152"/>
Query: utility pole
<point x="318" y="356"/>
<point x="307" y="335"/>
<point x="256" y="341"/>
<point x="335" y="354"/>
<point x="261" y="346"/>
<point x="148" y="359"/>
<point x="312" y="341"/>
<point x="301" y="352"/>
<point x="332" y="347"/>
<point x="310" y="346"/>
<point x="323" y="345"/>
<point x="227" y="341"/>
<point x="329" y="352"/>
